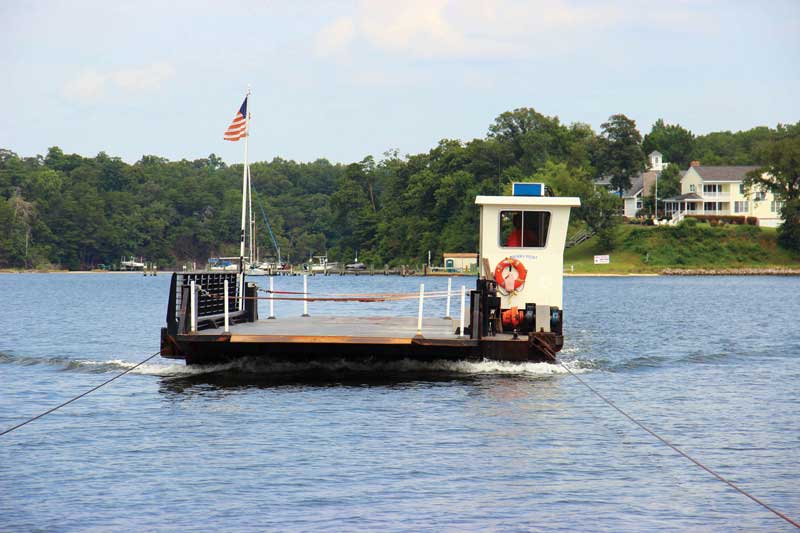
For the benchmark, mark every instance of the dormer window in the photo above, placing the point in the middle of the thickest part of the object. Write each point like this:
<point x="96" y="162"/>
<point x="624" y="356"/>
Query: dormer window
<point x="692" y="188"/>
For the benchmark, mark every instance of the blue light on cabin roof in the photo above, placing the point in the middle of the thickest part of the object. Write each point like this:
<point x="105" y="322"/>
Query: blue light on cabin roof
<point x="527" y="189"/>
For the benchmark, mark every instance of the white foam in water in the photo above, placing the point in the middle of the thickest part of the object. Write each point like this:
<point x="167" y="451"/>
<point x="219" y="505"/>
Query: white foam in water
<point x="260" y="366"/>
<point x="147" y="369"/>
<point x="406" y="365"/>
<point x="171" y="370"/>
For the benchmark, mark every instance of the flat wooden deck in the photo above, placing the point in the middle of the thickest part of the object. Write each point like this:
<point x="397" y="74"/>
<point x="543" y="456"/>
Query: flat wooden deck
<point x="340" y="329"/>
<point x="338" y="337"/>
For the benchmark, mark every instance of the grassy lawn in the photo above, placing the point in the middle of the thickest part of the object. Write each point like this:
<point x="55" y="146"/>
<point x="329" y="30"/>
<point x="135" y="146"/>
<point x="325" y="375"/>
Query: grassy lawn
<point x="650" y="249"/>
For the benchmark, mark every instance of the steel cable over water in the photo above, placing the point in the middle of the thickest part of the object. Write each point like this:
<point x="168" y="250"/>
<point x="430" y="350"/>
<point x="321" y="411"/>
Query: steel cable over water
<point x="137" y="365"/>
<point x="592" y="389"/>
<point x="681" y="452"/>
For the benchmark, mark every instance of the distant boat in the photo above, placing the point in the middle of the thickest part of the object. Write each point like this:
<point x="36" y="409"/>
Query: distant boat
<point x="131" y="264"/>
<point x="355" y="266"/>
<point x="258" y="269"/>
<point x="322" y="264"/>
<point x="223" y="264"/>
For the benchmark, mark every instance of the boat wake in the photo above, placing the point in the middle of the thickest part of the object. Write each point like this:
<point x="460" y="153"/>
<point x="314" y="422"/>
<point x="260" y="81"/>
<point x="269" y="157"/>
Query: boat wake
<point x="111" y="365"/>
<point x="486" y="367"/>
<point x="250" y="366"/>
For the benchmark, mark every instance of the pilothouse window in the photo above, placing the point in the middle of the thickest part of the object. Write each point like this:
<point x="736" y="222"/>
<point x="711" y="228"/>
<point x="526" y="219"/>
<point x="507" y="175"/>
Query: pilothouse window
<point x="524" y="229"/>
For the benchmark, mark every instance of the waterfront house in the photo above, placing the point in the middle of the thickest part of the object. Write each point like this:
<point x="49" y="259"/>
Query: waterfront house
<point x="643" y="185"/>
<point x="719" y="190"/>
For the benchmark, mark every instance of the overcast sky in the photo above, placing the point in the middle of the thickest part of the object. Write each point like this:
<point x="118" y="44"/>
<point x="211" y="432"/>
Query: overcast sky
<point x="342" y="80"/>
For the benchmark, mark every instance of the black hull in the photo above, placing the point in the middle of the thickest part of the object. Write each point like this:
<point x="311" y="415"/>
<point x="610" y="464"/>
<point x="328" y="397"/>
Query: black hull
<point x="211" y="349"/>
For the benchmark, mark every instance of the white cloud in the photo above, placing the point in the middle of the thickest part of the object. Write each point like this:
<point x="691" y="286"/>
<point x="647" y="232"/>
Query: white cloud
<point x="417" y="26"/>
<point x="92" y="84"/>
<point x="492" y="29"/>
<point x="147" y="78"/>
<point x="335" y="37"/>
<point x="422" y="28"/>
<point x="89" y="84"/>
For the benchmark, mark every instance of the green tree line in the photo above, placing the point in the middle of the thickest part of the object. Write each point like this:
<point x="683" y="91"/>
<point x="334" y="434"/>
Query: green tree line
<point x="68" y="211"/>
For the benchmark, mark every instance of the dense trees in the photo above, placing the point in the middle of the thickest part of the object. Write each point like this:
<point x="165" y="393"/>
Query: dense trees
<point x="75" y="212"/>
<point x="780" y="173"/>
<point x="676" y="144"/>
<point x="598" y="208"/>
<point x="669" y="182"/>
<point x="79" y="212"/>
<point x="621" y="155"/>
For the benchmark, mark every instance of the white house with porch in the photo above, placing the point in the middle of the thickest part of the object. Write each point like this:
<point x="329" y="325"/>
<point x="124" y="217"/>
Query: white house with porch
<point x="719" y="190"/>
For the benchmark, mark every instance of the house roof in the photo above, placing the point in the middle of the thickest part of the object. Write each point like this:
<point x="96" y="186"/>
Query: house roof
<point x="635" y="188"/>
<point x="684" y="197"/>
<point x="655" y="152"/>
<point x="641" y="184"/>
<point x="731" y="173"/>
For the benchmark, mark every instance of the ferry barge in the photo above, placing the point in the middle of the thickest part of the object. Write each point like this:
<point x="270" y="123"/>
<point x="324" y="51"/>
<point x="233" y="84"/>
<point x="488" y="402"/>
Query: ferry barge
<point x="514" y="313"/>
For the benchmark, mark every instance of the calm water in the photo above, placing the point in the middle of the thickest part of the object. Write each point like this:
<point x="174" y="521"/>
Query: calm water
<point x="710" y="363"/>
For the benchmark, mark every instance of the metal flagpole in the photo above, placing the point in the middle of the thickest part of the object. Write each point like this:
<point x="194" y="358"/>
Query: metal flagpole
<point x="244" y="203"/>
<point x="249" y="220"/>
<point x="250" y="211"/>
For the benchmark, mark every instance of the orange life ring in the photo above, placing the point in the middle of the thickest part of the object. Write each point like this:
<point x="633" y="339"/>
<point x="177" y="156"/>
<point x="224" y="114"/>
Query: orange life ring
<point x="503" y="271"/>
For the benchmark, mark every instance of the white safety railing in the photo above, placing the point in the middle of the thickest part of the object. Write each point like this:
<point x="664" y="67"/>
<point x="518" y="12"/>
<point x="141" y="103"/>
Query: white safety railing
<point x="463" y="296"/>
<point x="716" y="196"/>
<point x="241" y="291"/>
<point x="271" y="298"/>
<point x="225" y="305"/>
<point x="449" y="286"/>
<point x="193" y="303"/>
<point x="448" y="295"/>
<point x="419" y="314"/>
<point x="305" y="295"/>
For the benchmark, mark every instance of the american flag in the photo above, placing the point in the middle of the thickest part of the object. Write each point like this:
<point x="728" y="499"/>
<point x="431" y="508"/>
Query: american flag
<point x="238" y="128"/>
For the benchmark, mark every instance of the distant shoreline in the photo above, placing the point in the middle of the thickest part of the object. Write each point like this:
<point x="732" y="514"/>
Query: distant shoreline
<point x="744" y="271"/>
<point x="755" y="271"/>
<point x="49" y="271"/>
